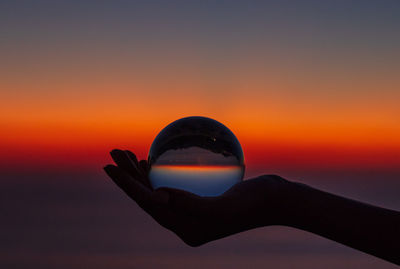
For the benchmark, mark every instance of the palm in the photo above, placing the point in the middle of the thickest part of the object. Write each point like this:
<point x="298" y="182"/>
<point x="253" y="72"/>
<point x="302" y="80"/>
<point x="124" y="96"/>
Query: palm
<point x="197" y="220"/>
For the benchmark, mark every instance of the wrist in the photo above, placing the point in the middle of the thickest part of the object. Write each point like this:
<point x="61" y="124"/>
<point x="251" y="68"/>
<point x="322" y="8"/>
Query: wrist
<point x="294" y="204"/>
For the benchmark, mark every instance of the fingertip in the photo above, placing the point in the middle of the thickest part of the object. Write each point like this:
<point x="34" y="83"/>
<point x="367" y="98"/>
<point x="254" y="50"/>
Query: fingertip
<point x="115" y="152"/>
<point x="132" y="156"/>
<point x="108" y="166"/>
<point x="109" y="169"/>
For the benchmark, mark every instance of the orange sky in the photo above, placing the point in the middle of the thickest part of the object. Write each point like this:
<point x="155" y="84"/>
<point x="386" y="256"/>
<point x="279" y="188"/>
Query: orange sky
<point x="78" y="131"/>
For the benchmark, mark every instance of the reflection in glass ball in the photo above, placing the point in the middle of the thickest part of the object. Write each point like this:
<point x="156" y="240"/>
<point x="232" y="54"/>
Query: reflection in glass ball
<point x="196" y="154"/>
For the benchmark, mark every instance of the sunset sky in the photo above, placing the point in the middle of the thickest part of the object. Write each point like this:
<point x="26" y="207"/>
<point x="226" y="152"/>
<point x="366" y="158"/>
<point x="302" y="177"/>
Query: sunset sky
<point x="315" y="84"/>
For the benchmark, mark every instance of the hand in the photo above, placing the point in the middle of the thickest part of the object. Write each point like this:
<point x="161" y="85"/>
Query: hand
<point x="262" y="201"/>
<point x="197" y="220"/>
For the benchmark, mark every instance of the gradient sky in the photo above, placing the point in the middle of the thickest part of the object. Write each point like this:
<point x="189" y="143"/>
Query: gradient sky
<point x="301" y="83"/>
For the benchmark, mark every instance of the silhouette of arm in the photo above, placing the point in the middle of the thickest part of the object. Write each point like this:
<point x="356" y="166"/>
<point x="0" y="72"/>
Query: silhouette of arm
<point x="365" y="227"/>
<point x="262" y="201"/>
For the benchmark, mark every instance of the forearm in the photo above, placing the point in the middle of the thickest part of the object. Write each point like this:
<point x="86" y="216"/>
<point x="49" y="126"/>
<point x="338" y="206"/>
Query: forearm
<point x="371" y="229"/>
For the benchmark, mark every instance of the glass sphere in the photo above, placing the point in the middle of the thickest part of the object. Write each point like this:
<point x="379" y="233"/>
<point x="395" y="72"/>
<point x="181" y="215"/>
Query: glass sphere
<point x="196" y="154"/>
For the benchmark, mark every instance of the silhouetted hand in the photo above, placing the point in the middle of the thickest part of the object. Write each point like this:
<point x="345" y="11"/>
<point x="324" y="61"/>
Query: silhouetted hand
<point x="262" y="201"/>
<point x="198" y="220"/>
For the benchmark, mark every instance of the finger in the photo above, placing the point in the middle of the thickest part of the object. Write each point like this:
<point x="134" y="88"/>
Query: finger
<point x="143" y="165"/>
<point x="142" y="168"/>
<point x="126" y="163"/>
<point x="133" y="188"/>
<point x="132" y="156"/>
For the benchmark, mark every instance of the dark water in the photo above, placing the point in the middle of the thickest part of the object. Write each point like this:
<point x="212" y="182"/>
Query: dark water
<point x="82" y="220"/>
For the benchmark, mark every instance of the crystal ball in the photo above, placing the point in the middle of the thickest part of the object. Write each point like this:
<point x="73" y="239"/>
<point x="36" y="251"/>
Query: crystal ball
<point x="196" y="154"/>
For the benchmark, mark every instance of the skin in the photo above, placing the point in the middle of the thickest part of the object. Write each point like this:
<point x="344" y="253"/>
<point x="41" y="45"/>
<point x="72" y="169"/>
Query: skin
<point x="262" y="201"/>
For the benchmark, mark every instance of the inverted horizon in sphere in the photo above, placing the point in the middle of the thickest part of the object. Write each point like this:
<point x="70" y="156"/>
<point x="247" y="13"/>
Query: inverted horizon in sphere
<point x="200" y="180"/>
<point x="189" y="167"/>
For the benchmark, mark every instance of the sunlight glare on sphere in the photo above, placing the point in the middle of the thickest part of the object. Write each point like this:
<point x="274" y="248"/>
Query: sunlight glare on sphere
<point x="196" y="154"/>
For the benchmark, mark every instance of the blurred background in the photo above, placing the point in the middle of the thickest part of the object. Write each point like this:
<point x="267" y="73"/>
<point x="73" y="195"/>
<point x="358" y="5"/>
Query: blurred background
<point x="310" y="88"/>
